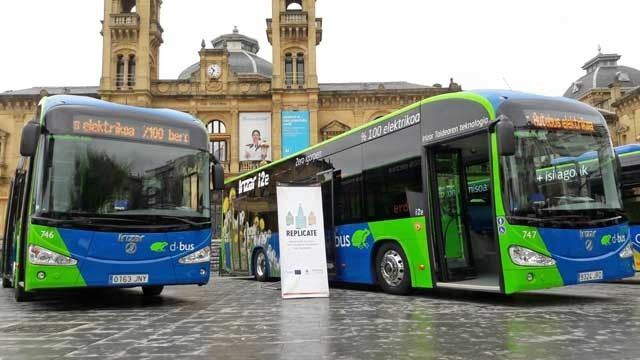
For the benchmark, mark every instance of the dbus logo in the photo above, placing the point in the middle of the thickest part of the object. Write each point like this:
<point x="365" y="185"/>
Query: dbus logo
<point x="357" y="240"/>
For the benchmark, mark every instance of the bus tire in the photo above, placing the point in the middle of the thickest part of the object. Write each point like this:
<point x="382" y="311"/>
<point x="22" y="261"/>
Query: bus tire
<point x="392" y="269"/>
<point x="260" y="266"/>
<point x="20" y="295"/>
<point x="152" y="290"/>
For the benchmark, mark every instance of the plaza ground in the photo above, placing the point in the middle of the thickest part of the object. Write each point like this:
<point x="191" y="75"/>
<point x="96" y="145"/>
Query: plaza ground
<point x="236" y="318"/>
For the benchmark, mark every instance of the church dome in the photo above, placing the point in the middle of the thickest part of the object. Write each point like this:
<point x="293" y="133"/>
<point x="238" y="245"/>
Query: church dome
<point x="602" y="71"/>
<point x="242" y="56"/>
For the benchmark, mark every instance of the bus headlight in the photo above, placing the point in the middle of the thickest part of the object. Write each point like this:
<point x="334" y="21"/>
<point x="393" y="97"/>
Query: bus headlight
<point x="200" y="256"/>
<point x="626" y="252"/>
<point x="525" y="257"/>
<point x="42" y="256"/>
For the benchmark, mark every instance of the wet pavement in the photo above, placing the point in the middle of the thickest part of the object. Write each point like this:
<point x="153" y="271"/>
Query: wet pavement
<point x="234" y="318"/>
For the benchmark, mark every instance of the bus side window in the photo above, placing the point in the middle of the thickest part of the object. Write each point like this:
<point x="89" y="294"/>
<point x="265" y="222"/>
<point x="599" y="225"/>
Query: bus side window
<point x="347" y="167"/>
<point x="393" y="170"/>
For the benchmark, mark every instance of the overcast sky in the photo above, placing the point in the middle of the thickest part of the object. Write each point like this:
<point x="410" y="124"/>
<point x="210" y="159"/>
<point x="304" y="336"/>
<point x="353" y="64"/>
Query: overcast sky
<point x="537" y="46"/>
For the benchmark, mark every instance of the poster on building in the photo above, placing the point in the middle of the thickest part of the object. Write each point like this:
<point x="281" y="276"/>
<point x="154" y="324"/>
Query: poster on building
<point x="295" y="131"/>
<point x="255" y="136"/>
<point x="303" y="261"/>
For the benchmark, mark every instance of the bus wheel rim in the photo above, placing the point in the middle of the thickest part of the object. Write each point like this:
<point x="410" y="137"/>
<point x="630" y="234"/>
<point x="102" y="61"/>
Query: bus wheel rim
<point x="392" y="268"/>
<point x="260" y="264"/>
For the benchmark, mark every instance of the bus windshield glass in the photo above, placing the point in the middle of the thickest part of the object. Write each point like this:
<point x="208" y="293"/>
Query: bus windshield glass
<point x="98" y="177"/>
<point x="562" y="171"/>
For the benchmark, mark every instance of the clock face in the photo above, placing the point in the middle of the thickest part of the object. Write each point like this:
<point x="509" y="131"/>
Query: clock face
<point x="214" y="71"/>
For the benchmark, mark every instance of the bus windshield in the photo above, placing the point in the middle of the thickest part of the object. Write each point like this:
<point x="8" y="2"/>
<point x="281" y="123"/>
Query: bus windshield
<point x="98" y="177"/>
<point x="561" y="173"/>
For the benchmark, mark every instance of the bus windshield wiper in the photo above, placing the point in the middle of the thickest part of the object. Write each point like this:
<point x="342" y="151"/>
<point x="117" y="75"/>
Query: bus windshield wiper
<point x="186" y="221"/>
<point x="169" y="217"/>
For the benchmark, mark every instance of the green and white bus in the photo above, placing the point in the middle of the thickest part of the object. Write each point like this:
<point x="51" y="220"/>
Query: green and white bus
<point x="407" y="203"/>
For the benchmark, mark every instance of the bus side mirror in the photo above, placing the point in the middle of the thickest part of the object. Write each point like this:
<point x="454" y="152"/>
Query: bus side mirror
<point x="29" y="140"/>
<point x="218" y="177"/>
<point x="506" y="137"/>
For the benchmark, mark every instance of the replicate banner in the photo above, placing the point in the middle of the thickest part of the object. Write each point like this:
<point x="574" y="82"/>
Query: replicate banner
<point x="303" y="261"/>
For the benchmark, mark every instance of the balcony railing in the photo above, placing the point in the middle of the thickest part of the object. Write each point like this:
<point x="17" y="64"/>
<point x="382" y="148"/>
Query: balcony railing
<point x="125" y="20"/>
<point x="293" y="18"/>
<point x="249" y="165"/>
<point x="130" y="81"/>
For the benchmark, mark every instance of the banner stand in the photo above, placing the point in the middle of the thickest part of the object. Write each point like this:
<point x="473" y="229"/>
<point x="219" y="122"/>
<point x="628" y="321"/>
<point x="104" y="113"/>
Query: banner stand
<point x="303" y="261"/>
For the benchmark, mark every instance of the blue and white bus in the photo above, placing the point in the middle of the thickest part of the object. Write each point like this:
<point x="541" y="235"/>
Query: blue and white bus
<point x="108" y="195"/>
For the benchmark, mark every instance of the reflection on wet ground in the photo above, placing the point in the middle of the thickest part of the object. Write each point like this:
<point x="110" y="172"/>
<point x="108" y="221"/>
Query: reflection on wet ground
<point x="235" y="318"/>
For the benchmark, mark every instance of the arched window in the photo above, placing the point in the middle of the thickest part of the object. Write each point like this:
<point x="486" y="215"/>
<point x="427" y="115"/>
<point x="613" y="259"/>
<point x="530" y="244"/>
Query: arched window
<point x="216" y="127"/>
<point x="128" y="6"/>
<point x="119" y="71"/>
<point x="131" y="71"/>
<point x="218" y="145"/>
<point x="288" y="69"/>
<point x="300" y="69"/>
<point x="294" y="5"/>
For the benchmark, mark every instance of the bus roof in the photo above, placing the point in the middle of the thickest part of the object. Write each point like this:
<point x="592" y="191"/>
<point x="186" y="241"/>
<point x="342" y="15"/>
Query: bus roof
<point x="175" y="116"/>
<point x="490" y="99"/>
<point x="497" y="97"/>
<point x="627" y="149"/>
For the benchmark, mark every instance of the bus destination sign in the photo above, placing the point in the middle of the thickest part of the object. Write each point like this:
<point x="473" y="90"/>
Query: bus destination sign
<point x="128" y="129"/>
<point x="561" y="121"/>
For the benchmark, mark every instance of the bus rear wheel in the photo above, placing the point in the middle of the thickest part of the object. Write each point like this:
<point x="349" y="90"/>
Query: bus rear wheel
<point x="392" y="269"/>
<point x="260" y="267"/>
<point x="152" y="290"/>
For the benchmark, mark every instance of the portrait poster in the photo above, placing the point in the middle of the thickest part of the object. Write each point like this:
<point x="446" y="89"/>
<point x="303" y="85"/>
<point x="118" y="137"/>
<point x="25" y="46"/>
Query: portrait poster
<point x="255" y="136"/>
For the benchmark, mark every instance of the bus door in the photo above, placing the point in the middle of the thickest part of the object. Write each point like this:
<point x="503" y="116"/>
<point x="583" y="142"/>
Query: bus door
<point x="448" y="200"/>
<point x="461" y="205"/>
<point x="326" y="181"/>
<point x="12" y="220"/>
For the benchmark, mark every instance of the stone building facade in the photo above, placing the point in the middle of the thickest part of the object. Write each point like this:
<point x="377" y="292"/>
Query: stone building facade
<point x="614" y="90"/>
<point x="229" y="87"/>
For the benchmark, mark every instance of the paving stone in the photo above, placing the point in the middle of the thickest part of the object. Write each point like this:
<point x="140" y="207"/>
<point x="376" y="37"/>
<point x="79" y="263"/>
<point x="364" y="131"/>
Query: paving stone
<point x="234" y="318"/>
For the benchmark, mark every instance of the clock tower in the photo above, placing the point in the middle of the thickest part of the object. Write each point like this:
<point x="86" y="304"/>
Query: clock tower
<point x="132" y="36"/>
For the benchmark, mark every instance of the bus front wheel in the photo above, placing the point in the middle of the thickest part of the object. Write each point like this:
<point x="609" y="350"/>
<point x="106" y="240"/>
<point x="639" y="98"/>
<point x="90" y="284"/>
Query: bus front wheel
<point x="20" y="295"/>
<point x="152" y="290"/>
<point x="392" y="269"/>
<point x="260" y="267"/>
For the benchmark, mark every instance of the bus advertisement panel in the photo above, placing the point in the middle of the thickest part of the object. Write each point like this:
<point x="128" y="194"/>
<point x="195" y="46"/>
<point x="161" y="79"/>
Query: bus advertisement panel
<point x="108" y="195"/>
<point x="455" y="191"/>
<point x="295" y="131"/>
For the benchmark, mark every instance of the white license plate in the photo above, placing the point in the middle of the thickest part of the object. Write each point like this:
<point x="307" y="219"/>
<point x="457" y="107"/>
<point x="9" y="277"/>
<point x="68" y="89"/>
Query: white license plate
<point x="590" y="276"/>
<point x="129" y="279"/>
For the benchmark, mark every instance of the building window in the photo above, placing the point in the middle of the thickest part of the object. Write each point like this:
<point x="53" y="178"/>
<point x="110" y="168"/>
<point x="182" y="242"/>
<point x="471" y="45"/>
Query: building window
<point x="219" y="149"/>
<point x="216" y="127"/>
<point x="294" y="5"/>
<point x="131" y="71"/>
<point x="128" y="6"/>
<point x="300" y="69"/>
<point x="218" y="146"/>
<point x="119" y="71"/>
<point x="288" y="69"/>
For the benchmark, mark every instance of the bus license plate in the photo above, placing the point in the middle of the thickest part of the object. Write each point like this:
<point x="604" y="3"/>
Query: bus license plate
<point x="590" y="276"/>
<point x="129" y="279"/>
